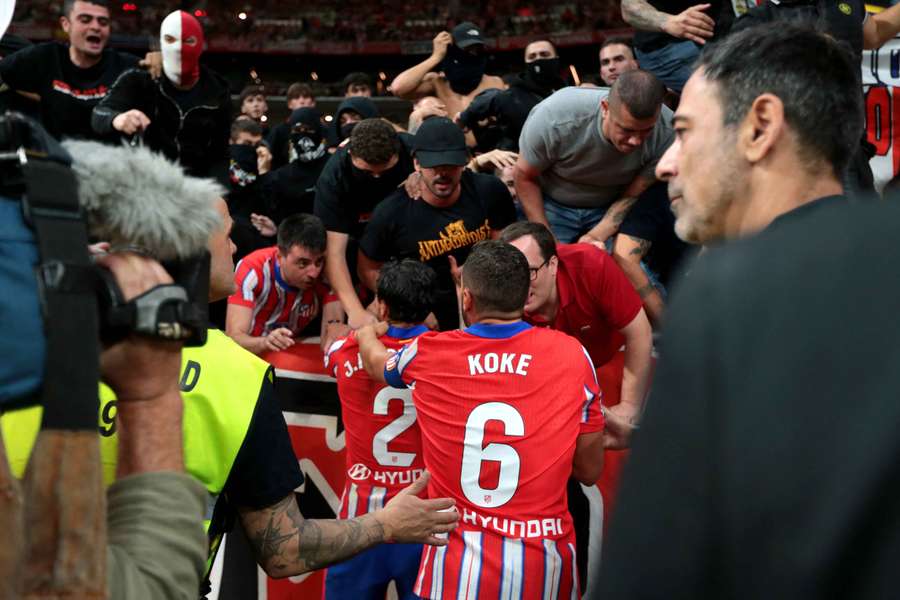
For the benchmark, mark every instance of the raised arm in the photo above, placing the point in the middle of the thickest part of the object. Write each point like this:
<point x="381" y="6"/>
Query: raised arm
<point x="373" y="353"/>
<point x="416" y="82"/>
<point x="338" y="274"/>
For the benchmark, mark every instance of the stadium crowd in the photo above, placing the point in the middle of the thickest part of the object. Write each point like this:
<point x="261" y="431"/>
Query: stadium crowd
<point x="396" y="20"/>
<point x="469" y="270"/>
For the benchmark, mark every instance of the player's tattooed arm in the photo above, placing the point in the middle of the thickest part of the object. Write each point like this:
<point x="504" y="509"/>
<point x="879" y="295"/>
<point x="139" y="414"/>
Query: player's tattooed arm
<point x="287" y="544"/>
<point x="374" y="354"/>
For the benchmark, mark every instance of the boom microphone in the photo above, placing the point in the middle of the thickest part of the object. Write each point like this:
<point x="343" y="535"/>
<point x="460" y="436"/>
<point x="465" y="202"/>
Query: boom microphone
<point x="135" y="197"/>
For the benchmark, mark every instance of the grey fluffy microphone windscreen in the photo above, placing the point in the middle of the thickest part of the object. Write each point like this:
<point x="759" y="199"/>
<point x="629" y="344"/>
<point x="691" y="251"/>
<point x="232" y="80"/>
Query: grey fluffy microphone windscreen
<point x="135" y="197"/>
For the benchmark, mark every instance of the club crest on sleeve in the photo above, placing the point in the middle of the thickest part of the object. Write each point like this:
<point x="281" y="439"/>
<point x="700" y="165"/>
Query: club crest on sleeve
<point x="391" y="363"/>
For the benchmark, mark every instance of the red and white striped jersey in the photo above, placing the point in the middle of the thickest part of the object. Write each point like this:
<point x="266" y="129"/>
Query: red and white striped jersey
<point x="500" y="408"/>
<point x="384" y="448"/>
<point x="275" y="303"/>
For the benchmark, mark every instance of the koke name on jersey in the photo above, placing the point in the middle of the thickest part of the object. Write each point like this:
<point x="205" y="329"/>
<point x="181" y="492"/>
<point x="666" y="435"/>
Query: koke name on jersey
<point x="499" y="363"/>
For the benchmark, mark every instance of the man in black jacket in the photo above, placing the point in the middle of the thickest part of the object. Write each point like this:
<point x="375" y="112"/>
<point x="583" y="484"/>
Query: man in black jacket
<point x="185" y="115"/>
<point x="510" y="107"/>
<point x="766" y="463"/>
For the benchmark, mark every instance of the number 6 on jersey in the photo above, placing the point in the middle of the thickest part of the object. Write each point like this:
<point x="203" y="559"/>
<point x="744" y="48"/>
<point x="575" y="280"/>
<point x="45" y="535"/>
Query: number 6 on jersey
<point x="474" y="454"/>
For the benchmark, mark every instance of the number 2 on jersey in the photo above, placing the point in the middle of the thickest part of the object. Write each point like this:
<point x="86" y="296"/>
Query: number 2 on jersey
<point x="474" y="454"/>
<point x="393" y="429"/>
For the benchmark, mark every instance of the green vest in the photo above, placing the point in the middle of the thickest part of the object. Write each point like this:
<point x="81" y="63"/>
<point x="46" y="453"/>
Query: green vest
<point x="220" y="384"/>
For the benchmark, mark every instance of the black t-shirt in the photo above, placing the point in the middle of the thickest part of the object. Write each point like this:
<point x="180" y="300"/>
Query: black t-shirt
<point x="293" y="187"/>
<point x="68" y="93"/>
<point x="721" y="12"/>
<point x="345" y="196"/>
<point x="265" y="469"/>
<point x="278" y="140"/>
<point x="651" y="219"/>
<point x="405" y="228"/>
<point x="842" y="20"/>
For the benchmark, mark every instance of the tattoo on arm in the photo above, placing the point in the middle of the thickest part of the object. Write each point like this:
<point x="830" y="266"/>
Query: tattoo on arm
<point x="643" y="246"/>
<point x="641" y="15"/>
<point x="646" y="290"/>
<point x="621" y="210"/>
<point x="287" y="544"/>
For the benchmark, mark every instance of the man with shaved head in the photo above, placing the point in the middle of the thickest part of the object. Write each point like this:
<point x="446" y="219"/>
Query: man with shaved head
<point x="585" y="155"/>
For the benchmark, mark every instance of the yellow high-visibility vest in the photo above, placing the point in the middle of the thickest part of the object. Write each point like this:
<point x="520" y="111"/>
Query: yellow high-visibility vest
<point x="220" y="385"/>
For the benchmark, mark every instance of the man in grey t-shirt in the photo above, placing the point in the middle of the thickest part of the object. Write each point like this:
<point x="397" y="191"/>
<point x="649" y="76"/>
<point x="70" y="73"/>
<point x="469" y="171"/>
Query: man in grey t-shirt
<point x="585" y="155"/>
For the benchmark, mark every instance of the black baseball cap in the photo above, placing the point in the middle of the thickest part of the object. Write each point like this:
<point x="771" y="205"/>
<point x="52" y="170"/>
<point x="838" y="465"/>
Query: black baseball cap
<point x="467" y="34"/>
<point x="438" y="142"/>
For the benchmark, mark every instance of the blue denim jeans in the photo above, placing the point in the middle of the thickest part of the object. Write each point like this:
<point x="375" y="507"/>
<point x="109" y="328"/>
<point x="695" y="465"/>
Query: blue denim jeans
<point x="672" y="64"/>
<point x="569" y="223"/>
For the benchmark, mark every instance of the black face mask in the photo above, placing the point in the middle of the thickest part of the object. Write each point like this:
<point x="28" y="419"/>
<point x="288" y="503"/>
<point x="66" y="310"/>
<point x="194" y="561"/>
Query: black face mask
<point x="545" y="72"/>
<point x="361" y="176"/>
<point x="347" y="129"/>
<point x="463" y="70"/>
<point x="242" y="168"/>
<point x="305" y="147"/>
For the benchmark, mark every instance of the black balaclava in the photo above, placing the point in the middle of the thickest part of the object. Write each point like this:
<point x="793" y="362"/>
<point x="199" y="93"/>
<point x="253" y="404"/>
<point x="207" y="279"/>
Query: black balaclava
<point x="364" y="107"/>
<point x="463" y="70"/>
<point x="544" y="73"/>
<point x="307" y="142"/>
<point x="347" y="129"/>
<point x="242" y="168"/>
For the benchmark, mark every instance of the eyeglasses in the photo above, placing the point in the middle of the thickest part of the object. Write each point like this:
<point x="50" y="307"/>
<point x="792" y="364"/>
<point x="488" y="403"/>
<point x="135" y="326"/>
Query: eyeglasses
<point x="534" y="270"/>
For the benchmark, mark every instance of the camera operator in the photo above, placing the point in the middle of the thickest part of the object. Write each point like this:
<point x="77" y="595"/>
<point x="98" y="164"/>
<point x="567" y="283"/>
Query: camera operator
<point x="155" y="539"/>
<point x="156" y="542"/>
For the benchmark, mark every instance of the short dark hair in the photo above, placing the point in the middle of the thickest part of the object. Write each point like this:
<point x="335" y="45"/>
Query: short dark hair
<point x="252" y="90"/>
<point x="245" y="125"/>
<point x="543" y="236"/>
<point x="498" y="278"/>
<point x="355" y="78"/>
<point x="68" y="5"/>
<point x="299" y="90"/>
<point x="640" y="91"/>
<point x="407" y="287"/>
<point x="815" y="77"/>
<point x="543" y="39"/>
<point x="301" y="230"/>
<point x="374" y="141"/>
<point x="618" y="40"/>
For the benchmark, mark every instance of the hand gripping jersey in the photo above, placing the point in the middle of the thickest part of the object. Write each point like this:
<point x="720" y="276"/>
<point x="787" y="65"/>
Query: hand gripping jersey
<point x="500" y="408"/>
<point x="384" y="449"/>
